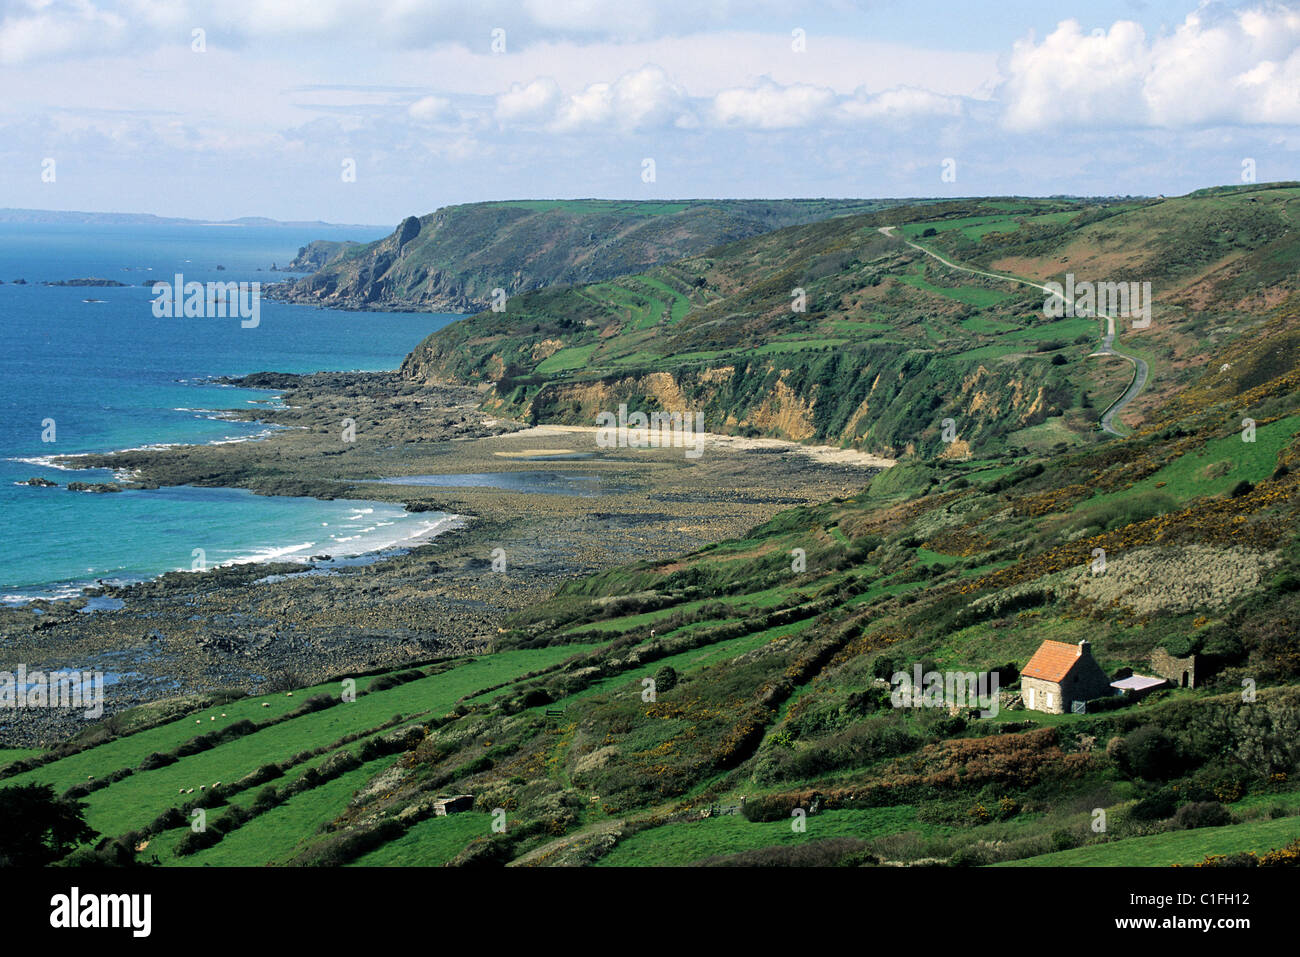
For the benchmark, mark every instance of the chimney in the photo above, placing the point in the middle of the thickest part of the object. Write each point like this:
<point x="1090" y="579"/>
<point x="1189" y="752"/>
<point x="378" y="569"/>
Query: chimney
<point x="1085" y="649"/>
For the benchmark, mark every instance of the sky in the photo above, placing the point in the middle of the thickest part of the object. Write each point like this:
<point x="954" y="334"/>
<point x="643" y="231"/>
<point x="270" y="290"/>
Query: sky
<point x="366" y="111"/>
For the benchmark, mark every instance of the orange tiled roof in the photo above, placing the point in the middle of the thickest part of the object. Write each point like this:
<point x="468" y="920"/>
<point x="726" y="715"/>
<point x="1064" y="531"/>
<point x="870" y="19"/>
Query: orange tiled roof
<point x="1052" y="661"/>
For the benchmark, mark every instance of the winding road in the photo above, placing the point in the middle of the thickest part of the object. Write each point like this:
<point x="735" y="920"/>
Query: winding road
<point x="1140" y="370"/>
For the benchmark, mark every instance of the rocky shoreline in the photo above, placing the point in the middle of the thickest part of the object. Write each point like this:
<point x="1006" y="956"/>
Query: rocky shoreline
<point x="261" y="627"/>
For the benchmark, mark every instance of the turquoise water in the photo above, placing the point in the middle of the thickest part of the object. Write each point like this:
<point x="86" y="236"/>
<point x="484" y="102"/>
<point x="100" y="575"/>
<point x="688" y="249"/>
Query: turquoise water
<point x="111" y="376"/>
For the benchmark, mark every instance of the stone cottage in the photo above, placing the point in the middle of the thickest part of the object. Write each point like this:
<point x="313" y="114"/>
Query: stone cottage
<point x="1059" y="674"/>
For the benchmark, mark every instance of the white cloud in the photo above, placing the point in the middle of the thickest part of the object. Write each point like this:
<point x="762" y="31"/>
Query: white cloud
<point x="39" y="29"/>
<point x="1241" y="67"/>
<point x="900" y="103"/>
<point x="642" y="99"/>
<point x="770" y="106"/>
<point x="433" y="109"/>
<point x="530" y="103"/>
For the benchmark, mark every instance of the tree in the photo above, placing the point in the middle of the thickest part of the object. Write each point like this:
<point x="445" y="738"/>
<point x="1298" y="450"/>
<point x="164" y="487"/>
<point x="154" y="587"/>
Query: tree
<point x="39" y="828"/>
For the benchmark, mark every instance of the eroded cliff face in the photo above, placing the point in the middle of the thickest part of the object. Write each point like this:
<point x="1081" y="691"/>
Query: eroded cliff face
<point x="890" y="410"/>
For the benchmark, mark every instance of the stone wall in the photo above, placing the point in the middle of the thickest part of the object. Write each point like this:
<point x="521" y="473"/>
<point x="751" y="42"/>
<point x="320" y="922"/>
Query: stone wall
<point x="1181" y="672"/>
<point x="1038" y="701"/>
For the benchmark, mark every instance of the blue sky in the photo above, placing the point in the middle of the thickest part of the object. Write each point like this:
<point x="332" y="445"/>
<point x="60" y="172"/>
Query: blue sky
<point x="250" y="107"/>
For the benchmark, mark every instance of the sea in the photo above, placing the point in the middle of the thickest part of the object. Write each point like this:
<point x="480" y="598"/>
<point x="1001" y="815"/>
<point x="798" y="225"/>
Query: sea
<point x="79" y="376"/>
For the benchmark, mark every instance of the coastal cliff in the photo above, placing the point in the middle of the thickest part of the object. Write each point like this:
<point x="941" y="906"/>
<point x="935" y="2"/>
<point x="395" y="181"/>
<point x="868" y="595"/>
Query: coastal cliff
<point x="451" y="260"/>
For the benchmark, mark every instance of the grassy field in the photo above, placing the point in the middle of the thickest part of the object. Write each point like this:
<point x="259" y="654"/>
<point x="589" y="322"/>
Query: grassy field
<point x="1174" y="847"/>
<point x="675" y="845"/>
<point x="969" y="295"/>
<point x="574" y="357"/>
<point x="430" y="843"/>
<point x="1215" y="468"/>
<point x="10" y="755"/>
<point x="273" y="837"/>
<point x="139" y="798"/>
<point x="977" y="227"/>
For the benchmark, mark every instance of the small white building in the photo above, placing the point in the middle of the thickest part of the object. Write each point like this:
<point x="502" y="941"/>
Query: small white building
<point x="1138" y="686"/>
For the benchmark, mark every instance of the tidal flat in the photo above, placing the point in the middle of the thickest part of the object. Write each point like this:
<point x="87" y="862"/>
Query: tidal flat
<point x="271" y="626"/>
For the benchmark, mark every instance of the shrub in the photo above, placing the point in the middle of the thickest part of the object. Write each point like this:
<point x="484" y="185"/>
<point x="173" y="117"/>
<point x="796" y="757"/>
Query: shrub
<point x="1156" y="807"/>
<point x="948" y="727"/>
<point x="1148" y="753"/>
<point x="234" y="818"/>
<point x="210" y="740"/>
<point x="267" y="798"/>
<point x="196" y="841"/>
<point x="157" y="760"/>
<point x="973" y="855"/>
<point x="535" y="697"/>
<point x="1202" y="814"/>
<point x="1063" y="840"/>
<point x="775" y="807"/>
<point x="665" y="679"/>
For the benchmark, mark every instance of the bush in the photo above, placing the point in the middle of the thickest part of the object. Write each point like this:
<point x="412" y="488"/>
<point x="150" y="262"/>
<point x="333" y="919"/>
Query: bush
<point x="234" y="818"/>
<point x="267" y="798"/>
<point x="948" y="727"/>
<point x="665" y="679"/>
<point x="157" y="760"/>
<point x="775" y="807"/>
<point x="267" y="772"/>
<point x="1202" y="814"/>
<point x="1156" y="807"/>
<point x="196" y="841"/>
<point x="210" y="740"/>
<point x="1148" y="753"/>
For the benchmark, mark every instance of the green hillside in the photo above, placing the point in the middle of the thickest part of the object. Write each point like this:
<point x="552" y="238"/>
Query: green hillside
<point x="451" y="260"/>
<point x="733" y="705"/>
<point x="834" y="333"/>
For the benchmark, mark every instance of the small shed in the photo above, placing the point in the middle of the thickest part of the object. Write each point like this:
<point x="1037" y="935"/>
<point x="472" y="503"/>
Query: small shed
<point x="1138" y="686"/>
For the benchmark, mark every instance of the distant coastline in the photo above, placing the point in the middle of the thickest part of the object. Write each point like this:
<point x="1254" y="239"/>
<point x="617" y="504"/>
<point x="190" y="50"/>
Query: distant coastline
<point x="55" y="217"/>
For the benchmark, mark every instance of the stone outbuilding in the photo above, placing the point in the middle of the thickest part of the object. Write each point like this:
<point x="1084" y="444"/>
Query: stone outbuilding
<point x="1061" y="674"/>
<point x="1181" y="672"/>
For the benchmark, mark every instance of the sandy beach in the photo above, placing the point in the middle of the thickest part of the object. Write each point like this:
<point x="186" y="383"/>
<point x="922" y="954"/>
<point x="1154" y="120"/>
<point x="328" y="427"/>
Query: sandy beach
<point x="258" y="626"/>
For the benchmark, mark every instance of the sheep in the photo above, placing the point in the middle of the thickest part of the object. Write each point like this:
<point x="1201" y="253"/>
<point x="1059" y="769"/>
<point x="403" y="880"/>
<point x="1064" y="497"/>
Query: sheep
<point x="214" y="787"/>
<point x="266" y="704"/>
<point x="180" y="790"/>
<point x="203" y="787"/>
<point x="198" y="720"/>
<point x="212" y="719"/>
<point x="288" y="694"/>
<point x="223" y="714"/>
<point x="190" y="791"/>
